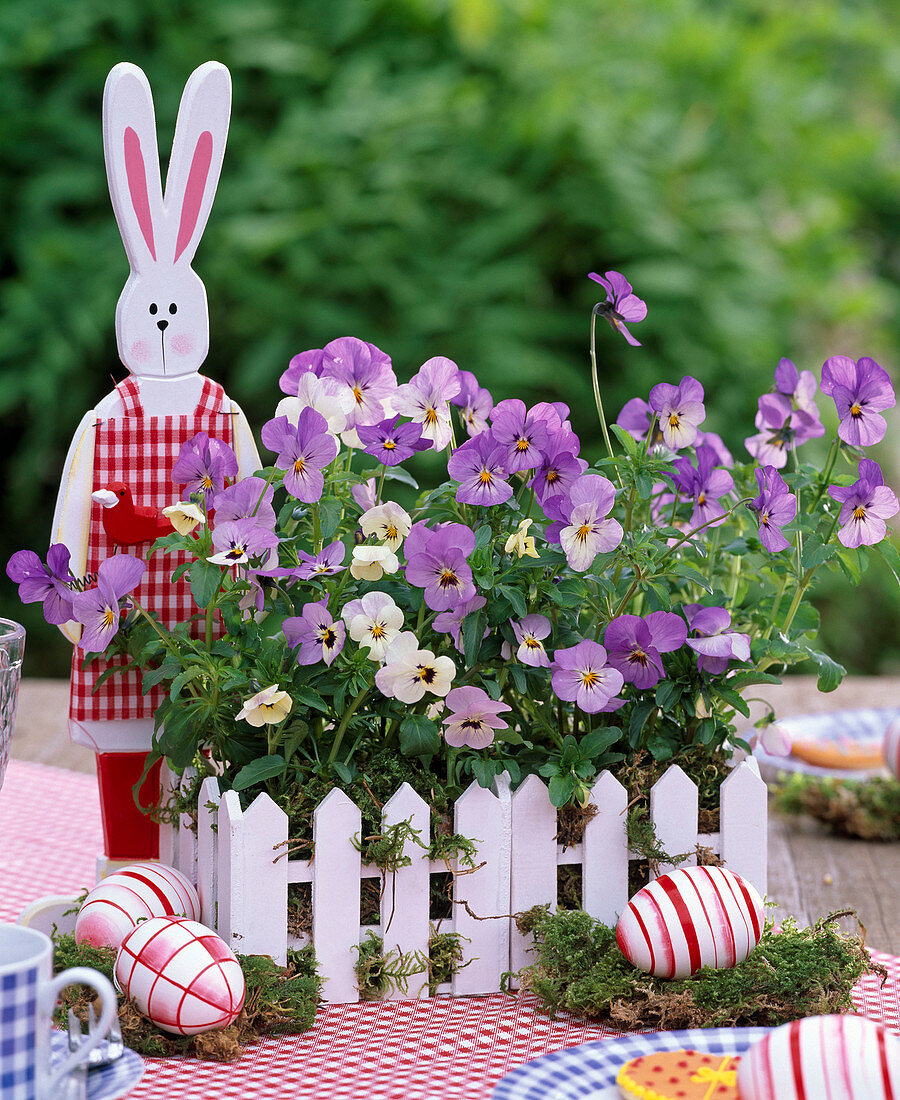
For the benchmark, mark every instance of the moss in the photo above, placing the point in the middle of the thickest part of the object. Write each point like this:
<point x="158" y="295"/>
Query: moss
<point x="378" y="974"/>
<point x="568" y="886"/>
<point x="445" y="958"/>
<point x="869" y="810"/>
<point x="795" y="972"/>
<point x="278" y="1000"/>
<point x="706" y="767"/>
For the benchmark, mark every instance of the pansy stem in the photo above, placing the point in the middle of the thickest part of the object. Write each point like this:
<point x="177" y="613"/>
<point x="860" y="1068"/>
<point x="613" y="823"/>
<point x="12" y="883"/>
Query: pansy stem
<point x="345" y="721"/>
<point x="829" y="466"/>
<point x="596" y="383"/>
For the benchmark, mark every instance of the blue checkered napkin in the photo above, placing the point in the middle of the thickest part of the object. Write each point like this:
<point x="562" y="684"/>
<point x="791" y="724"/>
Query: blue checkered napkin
<point x="18" y="1034"/>
<point x="580" y="1071"/>
<point x="105" y="1083"/>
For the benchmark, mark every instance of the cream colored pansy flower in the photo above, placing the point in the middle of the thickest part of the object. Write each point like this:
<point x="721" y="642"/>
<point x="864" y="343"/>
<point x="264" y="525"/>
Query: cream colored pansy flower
<point x="388" y="522"/>
<point x="325" y="395"/>
<point x="184" y="516"/>
<point x="370" y="563"/>
<point x="521" y="542"/>
<point x="266" y="707"/>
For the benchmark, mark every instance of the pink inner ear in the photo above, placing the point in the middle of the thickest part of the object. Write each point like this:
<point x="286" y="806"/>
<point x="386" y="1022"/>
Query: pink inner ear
<point x="137" y="186"/>
<point x="193" y="192"/>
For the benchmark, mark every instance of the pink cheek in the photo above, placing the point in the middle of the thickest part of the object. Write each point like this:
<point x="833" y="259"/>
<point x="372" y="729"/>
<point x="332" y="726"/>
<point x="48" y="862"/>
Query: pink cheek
<point x="140" y="353"/>
<point x="182" y="344"/>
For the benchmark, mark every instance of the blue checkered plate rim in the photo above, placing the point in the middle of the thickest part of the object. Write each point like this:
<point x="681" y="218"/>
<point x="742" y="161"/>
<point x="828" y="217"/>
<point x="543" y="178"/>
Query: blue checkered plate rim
<point x="589" y="1070"/>
<point x="105" y="1082"/>
<point x="865" y="727"/>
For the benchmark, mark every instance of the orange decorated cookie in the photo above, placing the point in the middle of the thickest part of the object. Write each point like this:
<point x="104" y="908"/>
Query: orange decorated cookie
<point x="680" y="1075"/>
<point x="839" y="755"/>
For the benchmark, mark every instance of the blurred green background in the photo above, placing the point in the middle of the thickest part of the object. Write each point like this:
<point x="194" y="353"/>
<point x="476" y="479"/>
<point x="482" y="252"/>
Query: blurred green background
<point x="438" y="176"/>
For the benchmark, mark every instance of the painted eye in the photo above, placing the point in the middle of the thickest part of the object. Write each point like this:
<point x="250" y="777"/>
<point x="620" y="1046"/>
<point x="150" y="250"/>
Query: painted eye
<point x="154" y="308"/>
<point x="173" y="308"/>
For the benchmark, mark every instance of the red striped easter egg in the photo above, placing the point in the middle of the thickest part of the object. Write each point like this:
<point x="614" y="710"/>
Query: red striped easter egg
<point x="892" y="747"/>
<point x="180" y="975"/>
<point x="692" y="917"/>
<point x="136" y="892"/>
<point x="838" y="1057"/>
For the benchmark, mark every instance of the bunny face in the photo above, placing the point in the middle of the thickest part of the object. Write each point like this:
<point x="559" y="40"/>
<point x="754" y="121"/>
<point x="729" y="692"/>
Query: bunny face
<point x="162" y="322"/>
<point x="162" y="325"/>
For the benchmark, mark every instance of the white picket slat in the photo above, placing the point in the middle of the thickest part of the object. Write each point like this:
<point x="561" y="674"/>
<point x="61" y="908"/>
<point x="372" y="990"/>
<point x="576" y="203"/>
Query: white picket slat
<point x="480" y="815"/>
<point x="230" y="831"/>
<point x="604" y="868"/>
<point x="264" y="894"/>
<point x="534" y="860"/>
<point x="673" y="811"/>
<point x="405" y="892"/>
<point x="335" y="894"/>
<point x="743" y="811"/>
<point x="207" y="852"/>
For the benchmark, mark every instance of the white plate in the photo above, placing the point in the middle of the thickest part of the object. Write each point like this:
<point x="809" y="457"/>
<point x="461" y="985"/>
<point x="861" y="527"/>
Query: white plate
<point x="106" y="1082"/>
<point x="588" y="1072"/>
<point x="865" y="728"/>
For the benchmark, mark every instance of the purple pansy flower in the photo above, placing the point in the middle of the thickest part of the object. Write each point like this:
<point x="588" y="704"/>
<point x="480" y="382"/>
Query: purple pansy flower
<point x="48" y="583"/>
<point x="366" y="372"/>
<point x="247" y="499"/>
<point x="475" y="403"/>
<point x="775" y="506"/>
<point x="203" y="464"/>
<point x="680" y="411"/>
<point x="529" y="633"/>
<point x="705" y="484"/>
<point x="392" y="442"/>
<point x="478" y="467"/>
<point x="711" y="439"/>
<point x="365" y="494"/>
<point x="635" y="645"/>
<point x="473" y="718"/>
<point x="620" y="305"/>
<point x="636" y="417"/>
<point x="98" y="608"/>
<point x="865" y="505"/>
<point x="582" y="675"/>
<point x="799" y="386"/>
<point x="236" y="541"/>
<point x="307" y="362"/>
<point x="558" y="472"/>
<point x="450" y="622"/>
<point x="861" y="391"/>
<point x="426" y="399"/>
<point x="325" y="564"/>
<point x="522" y="435"/>
<point x="715" y="643"/>
<point x="304" y="450"/>
<point x="588" y="533"/>
<point x="780" y="425"/>
<point x="319" y="635"/>
<point x="440" y="565"/>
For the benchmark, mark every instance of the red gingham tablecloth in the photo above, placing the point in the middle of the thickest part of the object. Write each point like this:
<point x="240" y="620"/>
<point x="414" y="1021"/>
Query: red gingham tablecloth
<point x="447" y="1048"/>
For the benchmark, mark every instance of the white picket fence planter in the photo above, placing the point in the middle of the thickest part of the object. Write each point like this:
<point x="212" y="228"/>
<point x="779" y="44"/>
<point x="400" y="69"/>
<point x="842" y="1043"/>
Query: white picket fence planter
<point x="240" y="864"/>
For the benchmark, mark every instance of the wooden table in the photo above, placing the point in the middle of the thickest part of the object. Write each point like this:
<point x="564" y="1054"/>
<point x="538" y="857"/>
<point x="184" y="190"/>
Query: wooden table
<point x="810" y="872"/>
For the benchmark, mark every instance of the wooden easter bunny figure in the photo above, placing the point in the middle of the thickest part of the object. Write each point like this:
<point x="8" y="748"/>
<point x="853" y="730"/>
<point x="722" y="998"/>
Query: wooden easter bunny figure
<point x="133" y="437"/>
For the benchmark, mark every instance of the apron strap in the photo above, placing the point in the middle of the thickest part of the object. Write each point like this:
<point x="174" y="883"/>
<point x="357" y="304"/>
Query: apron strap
<point x="211" y="398"/>
<point x="130" y="395"/>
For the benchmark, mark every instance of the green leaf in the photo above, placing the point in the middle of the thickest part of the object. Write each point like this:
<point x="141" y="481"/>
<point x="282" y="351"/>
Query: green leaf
<point x="568" y="593"/>
<point x="562" y="787"/>
<point x="638" y="720"/>
<point x="205" y="581"/>
<point x="258" y="771"/>
<point x="626" y="439"/>
<point x="485" y="771"/>
<point x="341" y="771"/>
<point x="419" y="736"/>
<point x="330" y="511"/>
<point x="310" y="698"/>
<point x="598" y="741"/>
<point x="515" y="597"/>
<point x="472" y="633"/>
<point x="483" y="536"/>
<point x="733" y="699"/>
<point x="183" y="678"/>
<point x="830" y="672"/>
<point x="693" y="575"/>
<point x="518" y="675"/>
<point x="294" y="739"/>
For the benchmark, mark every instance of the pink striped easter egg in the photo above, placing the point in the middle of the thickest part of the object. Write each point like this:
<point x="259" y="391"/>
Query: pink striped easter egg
<point x="136" y="892"/>
<point x="692" y="917"/>
<point x="180" y="975"/>
<point x="838" y="1057"/>
<point x="892" y="747"/>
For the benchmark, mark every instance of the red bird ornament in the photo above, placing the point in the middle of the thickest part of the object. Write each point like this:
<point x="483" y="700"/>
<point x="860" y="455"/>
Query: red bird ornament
<point x="126" y="523"/>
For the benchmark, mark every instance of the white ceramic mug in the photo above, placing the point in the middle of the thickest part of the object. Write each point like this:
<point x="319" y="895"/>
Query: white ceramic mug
<point x="28" y="993"/>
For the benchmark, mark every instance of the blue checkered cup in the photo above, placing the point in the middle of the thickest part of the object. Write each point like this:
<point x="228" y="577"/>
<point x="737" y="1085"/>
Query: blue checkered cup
<point x="28" y="995"/>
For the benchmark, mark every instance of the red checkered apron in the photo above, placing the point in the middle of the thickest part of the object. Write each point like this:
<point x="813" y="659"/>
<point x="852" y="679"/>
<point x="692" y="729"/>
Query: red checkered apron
<point x="139" y="451"/>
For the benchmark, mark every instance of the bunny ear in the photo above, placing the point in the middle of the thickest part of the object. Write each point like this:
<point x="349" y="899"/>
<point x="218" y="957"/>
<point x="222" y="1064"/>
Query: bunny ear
<point x="197" y="153"/>
<point x="132" y="163"/>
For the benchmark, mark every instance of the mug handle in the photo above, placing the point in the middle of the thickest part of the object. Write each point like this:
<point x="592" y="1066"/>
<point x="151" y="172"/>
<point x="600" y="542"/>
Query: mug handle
<point x="81" y="975"/>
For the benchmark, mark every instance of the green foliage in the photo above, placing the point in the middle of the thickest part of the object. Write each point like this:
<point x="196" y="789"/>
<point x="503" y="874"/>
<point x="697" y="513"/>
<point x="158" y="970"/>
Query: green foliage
<point x="378" y="973"/>
<point x="869" y="809"/>
<point x="792" y="973"/>
<point x="437" y="176"/>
